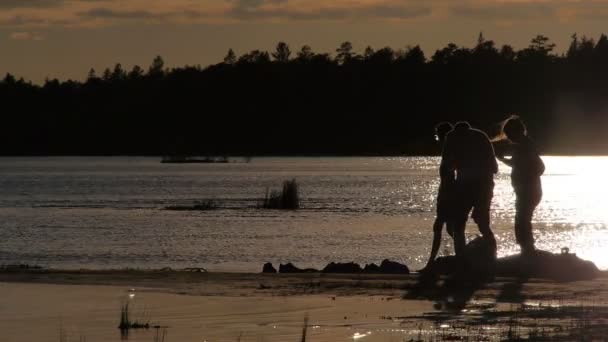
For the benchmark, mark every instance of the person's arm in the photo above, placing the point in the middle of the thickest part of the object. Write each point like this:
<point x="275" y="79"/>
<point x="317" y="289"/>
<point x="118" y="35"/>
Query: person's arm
<point x="490" y="147"/>
<point x="446" y="168"/>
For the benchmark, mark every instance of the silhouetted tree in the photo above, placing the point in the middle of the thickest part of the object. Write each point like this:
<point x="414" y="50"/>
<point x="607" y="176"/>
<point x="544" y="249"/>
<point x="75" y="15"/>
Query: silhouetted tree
<point x="305" y="54"/>
<point x="282" y="53"/>
<point x="9" y="79"/>
<point x="413" y="55"/>
<point x="136" y="73"/>
<point x="157" y="68"/>
<point x="507" y="53"/>
<point x="107" y="75"/>
<point x="344" y="53"/>
<point x="368" y="53"/>
<point x="230" y="58"/>
<point x="255" y="57"/>
<point x="384" y="101"/>
<point x="118" y="74"/>
<point x="92" y="76"/>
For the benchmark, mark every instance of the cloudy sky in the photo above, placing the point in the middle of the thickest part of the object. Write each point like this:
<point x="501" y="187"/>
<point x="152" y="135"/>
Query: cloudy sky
<point x="64" y="38"/>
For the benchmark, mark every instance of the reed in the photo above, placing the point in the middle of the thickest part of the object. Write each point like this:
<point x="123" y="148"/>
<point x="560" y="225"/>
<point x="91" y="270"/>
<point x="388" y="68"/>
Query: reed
<point x="287" y="199"/>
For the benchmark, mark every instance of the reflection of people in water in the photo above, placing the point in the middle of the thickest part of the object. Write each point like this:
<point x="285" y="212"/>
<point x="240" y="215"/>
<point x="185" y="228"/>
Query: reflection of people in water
<point x="468" y="156"/>
<point x="526" y="169"/>
<point x="443" y="196"/>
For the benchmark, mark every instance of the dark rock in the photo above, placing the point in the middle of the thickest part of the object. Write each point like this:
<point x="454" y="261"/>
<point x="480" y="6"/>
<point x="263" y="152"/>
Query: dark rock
<point x="349" y="267"/>
<point x="542" y="264"/>
<point x="290" y="268"/>
<point x="371" y="268"/>
<point x="268" y="268"/>
<point x="479" y="260"/>
<point x="393" y="267"/>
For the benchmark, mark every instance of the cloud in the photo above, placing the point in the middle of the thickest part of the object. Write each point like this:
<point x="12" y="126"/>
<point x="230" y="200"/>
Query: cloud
<point x="107" y="13"/>
<point x="262" y="11"/>
<point x="26" y="36"/>
<point x="27" y="15"/>
<point x="517" y="11"/>
<point x="255" y="3"/>
<point x="11" y="4"/>
<point x="504" y="10"/>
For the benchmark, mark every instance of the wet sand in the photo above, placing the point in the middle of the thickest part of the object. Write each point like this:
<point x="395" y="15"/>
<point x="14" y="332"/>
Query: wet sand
<point x="42" y="305"/>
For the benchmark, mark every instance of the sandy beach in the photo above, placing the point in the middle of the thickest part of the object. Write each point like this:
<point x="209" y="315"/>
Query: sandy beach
<point x="51" y="305"/>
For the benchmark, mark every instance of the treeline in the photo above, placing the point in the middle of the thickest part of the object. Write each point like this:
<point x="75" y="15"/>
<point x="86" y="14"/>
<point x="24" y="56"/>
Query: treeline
<point x="381" y="102"/>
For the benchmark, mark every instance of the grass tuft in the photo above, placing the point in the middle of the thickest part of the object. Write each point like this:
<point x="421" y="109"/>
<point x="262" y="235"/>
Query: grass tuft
<point x="287" y="199"/>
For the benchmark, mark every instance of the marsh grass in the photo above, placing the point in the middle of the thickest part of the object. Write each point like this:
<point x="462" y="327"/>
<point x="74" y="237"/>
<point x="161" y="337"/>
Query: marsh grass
<point x="305" y="328"/>
<point x="208" y="204"/>
<point x="524" y="322"/>
<point x="126" y="323"/>
<point x="160" y="334"/>
<point x="288" y="198"/>
<point x="202" y="205"/>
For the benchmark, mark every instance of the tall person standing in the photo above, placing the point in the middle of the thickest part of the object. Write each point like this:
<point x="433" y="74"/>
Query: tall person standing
<point x="468" y="156"/>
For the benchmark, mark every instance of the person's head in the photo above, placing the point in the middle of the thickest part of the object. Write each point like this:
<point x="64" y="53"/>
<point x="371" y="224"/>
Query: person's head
<point x="514" y="129"/>
<point x="442" y="129"/>
<point x="461" y="127"/>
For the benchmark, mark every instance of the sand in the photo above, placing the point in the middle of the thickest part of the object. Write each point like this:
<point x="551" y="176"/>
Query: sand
<point x="85" y="305"/>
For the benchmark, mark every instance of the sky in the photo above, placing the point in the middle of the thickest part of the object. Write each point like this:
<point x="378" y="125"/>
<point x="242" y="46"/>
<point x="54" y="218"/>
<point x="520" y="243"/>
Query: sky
<point x="63" y="39"/>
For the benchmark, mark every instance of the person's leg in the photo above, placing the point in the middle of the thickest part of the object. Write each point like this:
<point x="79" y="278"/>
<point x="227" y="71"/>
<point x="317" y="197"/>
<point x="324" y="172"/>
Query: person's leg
<point x="457" y="226"/>
<point x="437" y="228"/>
<point x="524" y="210"/>
<point x="461" y="207"/>
<point x="481" y="212"/>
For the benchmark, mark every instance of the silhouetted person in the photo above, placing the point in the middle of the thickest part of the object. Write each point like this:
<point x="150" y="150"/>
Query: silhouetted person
<point x="526" y="169"/>
<point x="444" y="196"/>
<point x="468" y="156"/>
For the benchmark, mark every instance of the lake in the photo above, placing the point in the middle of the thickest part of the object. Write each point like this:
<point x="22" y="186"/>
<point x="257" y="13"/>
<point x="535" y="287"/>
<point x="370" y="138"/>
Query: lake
<point x="109" y="212"/>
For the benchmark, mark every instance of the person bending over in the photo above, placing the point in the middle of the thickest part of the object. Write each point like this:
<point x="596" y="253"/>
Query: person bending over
<point x="468" y="156"/>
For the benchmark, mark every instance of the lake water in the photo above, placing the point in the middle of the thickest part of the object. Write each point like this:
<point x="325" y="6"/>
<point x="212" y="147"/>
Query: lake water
<point x="108" y="212"/>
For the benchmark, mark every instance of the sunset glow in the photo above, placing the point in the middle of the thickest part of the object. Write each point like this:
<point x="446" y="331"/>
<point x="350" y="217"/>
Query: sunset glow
<point x="64" y="38"/>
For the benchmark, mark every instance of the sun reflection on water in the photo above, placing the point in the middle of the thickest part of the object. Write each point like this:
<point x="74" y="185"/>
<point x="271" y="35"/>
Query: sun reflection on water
<point x="572" y="213"/>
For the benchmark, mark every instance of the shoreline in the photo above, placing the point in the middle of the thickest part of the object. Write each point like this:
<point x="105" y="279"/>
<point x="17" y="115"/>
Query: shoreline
<point x="286" y="284"/>
<point x="272" y="307"/>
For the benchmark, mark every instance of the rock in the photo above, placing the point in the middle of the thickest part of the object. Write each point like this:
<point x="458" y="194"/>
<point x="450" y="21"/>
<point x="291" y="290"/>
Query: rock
<point x="268" y="268"/>
<point x="393" y="267"/>
<point x="349" y="267"/>
<point x="371" y="268"/>
<point x="479" y="258"/>
<point x="562" y="267"/>
<point x="480" y="261"/>
<point x="290" y="268"/>
<point x="194" y="269"/>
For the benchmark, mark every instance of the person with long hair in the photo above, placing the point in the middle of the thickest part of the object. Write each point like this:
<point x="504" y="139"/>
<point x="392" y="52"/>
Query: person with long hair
<point x="526" y="169"/>
<point x="444" y="197"/>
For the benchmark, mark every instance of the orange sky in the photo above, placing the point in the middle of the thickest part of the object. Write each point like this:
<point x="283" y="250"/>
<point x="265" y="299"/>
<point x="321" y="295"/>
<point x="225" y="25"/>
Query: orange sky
<point x="64" y="38"/>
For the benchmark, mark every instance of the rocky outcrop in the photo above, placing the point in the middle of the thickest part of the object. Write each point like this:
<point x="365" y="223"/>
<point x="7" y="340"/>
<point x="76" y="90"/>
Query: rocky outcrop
<point x="290" y="268"/>
<point x="268" y="268"/>
<point x="542" y="264"/>
<point x="386" y="267"/>
<point x="393" y="267"/>
<point x="479" y="261"/>
<point x="338" y="267"/>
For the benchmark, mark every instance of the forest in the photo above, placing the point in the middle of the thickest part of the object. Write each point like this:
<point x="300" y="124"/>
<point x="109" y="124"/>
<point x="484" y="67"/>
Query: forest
<point x="300" y="102"/>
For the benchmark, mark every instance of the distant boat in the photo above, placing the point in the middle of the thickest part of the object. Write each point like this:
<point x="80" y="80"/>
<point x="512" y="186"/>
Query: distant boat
<point x="191" y="160"/>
